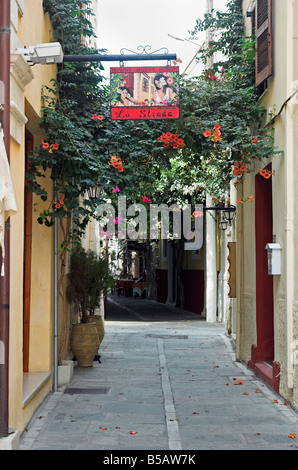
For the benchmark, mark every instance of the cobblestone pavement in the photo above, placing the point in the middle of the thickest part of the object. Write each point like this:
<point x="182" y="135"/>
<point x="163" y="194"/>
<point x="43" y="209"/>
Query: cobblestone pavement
<point x="167" y="381"/>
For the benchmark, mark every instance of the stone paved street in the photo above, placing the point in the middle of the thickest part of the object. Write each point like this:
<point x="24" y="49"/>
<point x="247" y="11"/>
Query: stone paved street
<point x="166" y="381"/>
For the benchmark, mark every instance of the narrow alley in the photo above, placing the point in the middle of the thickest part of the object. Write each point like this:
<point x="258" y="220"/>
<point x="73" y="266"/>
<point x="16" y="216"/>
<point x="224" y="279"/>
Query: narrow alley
<point x="167" y="380"/>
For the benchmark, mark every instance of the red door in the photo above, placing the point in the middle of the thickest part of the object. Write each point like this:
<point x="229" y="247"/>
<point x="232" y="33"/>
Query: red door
<point x="264" y="281"/>
<point x="262" y="357"/>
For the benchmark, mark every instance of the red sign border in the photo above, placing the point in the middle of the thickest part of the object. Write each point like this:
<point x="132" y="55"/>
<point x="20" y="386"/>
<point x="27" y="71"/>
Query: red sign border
<point x="145" y="112"/>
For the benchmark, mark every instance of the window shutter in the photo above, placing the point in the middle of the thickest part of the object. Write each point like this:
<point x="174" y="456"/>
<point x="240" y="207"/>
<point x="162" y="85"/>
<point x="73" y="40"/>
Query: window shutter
<point x="264" y="50"/>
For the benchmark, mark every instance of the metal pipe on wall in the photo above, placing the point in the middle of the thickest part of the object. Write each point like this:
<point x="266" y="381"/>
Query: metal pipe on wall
<point x="4" y="280"/>
<point x="55" y="299"/>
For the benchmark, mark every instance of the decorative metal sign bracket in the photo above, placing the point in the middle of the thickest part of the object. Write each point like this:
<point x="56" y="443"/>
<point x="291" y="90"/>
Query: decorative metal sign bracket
<point x="143" y="54"/>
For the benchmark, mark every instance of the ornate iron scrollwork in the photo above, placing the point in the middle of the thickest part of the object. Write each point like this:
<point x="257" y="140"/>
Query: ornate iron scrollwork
<point x="144" y="50"/>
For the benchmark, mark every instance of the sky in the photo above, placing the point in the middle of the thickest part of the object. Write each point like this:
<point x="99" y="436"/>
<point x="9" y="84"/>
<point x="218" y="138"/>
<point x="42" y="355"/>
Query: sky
<point x="127" y="24"/>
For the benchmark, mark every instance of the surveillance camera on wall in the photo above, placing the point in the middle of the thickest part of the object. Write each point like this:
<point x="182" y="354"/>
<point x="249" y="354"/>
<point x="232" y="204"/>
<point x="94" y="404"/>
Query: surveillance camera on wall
<point x="48" y="53"/>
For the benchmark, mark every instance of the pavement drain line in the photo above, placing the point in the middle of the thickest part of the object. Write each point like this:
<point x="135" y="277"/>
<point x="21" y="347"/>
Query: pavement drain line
<point x="174" y="439"/>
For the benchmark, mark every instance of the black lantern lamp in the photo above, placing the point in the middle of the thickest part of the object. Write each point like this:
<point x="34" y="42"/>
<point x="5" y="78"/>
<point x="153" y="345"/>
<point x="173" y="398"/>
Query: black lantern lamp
<point x="224" y="224"/>
<point x="94" y="191"/>
<point x="229" y="214"/>
<point x="228" y="217"/>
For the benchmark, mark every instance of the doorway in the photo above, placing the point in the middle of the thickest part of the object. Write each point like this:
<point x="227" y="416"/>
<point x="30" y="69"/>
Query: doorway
<point x="262" y="355"/>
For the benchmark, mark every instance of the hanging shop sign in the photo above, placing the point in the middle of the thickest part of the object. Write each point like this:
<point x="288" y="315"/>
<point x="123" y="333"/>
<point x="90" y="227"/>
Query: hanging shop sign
<point x="144" y="92"/>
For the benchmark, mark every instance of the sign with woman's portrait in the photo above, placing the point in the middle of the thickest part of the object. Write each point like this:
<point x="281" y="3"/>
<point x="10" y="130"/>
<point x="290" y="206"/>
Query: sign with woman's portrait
<point x="145" y="92"/>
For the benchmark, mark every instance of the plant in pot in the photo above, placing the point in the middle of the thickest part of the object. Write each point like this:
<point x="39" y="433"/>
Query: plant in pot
<point x="89" y="280"/>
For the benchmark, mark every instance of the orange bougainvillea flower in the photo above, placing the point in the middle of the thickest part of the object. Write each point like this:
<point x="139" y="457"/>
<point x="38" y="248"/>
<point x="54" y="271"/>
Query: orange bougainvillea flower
<point x="173" y="140"/>
<point x="292" y="435"/>
<point x="245" y="393"/>
<point x="207" y="133"/>
<point x="46" y="145"/>
<point x="275" y="401"/>
<point x="257" y="391"/>
<point x="266" y="173"/>
<point x="116" y="162"/>
<point x="215" y="135"/>
<point x="238" y="169"/>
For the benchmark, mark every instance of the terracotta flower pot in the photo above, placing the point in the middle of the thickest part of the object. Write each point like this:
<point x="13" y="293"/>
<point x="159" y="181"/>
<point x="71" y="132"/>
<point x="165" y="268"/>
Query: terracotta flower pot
<point x="84" y="343"/>
<point x="99" y="325"/>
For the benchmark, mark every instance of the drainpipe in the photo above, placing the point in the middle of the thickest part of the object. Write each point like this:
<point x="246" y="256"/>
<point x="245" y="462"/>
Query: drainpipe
<point x="4" y="280"/>
<point x="55" y="300"/>
<point x="290" y="190"/>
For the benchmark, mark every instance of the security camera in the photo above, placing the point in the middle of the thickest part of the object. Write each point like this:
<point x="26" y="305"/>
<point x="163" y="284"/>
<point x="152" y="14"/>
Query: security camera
<point x="48" y="53"/>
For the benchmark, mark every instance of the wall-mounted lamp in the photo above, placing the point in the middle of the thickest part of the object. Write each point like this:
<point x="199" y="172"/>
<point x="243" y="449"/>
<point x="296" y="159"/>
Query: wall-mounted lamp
<point x="228" y="217"/>
<point x="94" y="191"/>
<point x="224" y="224"/>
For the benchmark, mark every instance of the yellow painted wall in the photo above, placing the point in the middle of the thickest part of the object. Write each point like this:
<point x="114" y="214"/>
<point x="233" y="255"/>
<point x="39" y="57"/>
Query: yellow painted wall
<point x="33" y="28"/>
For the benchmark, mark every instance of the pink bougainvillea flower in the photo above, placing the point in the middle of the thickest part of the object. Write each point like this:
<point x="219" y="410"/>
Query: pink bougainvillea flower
<point x="117" y="220"/>
<point x="197" y="214"/>
<point x="146" y="199"/>
<point x="207" y="133"/>
<point x="116" y="190"/>
<point x="251" y="198"/>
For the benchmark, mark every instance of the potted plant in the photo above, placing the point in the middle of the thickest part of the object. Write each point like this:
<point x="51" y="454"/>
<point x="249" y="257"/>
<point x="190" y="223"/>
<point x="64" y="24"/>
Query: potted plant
<point x="89" y="279"/>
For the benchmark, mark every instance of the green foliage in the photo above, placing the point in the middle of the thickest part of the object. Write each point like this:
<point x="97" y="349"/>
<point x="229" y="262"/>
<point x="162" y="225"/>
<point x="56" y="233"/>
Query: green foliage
<point x="89" y="279"/>
<point x="66" y="118"/>
<point x="223" y="95"/>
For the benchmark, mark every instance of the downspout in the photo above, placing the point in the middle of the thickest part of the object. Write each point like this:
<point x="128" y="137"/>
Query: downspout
<point x="290" y="190"/>
<point x="4" y="280"/>
<point x="55" y="300"/>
